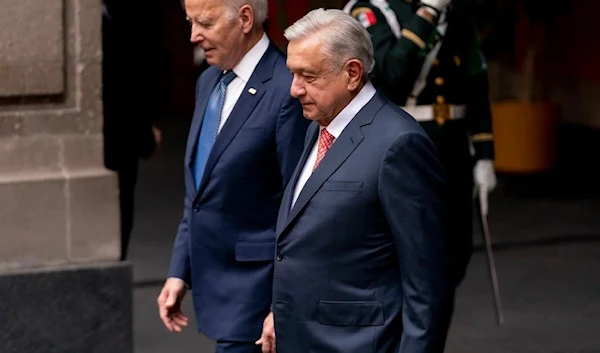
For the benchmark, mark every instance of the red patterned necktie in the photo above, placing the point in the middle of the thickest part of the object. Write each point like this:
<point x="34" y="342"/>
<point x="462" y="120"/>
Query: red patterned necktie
<point x="325" y="142"/>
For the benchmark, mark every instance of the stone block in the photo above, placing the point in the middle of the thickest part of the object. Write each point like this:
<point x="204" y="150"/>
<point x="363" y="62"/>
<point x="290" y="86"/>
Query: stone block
<point x="83" y="151"/>
<point x="32" y="47"/>
<point x="57" y="122"/>
<point x="10" y="126"/>
<point x="32" y="223"/>
<point x="30" y="155"/>
<point x="67" y="309"/>
<point x="56" y="218"/>
<point x="94" y="217"/>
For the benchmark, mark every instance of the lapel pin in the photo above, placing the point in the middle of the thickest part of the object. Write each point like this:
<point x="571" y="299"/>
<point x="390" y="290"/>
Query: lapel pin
<point x="252" y="91"/>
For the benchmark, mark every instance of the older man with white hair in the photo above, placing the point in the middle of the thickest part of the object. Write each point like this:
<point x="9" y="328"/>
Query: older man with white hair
<point x="362" y="250"/>
<point x="245" y="140"/>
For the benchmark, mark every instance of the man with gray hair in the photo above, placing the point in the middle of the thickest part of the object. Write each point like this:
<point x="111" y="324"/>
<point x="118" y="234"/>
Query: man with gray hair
<point x="244" y="143"/>
<point x="362" y="250"/>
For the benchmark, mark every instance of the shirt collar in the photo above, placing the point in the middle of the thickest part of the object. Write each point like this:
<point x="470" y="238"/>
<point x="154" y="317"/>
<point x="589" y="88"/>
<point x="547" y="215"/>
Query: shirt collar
<point x="339" y="123"/>
<point x="246" y="66"/>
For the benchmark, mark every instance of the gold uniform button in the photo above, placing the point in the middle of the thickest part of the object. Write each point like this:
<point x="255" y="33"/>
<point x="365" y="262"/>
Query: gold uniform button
<point x="457" y="60"/>
<point x="440" y="99"/>
<point x="439" y="81"/>
<point x="437" y="37"/>
<point x="436" y="62"/>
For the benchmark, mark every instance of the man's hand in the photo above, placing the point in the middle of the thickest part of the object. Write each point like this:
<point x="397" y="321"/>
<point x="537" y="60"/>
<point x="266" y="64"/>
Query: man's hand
<point x="157" y="140"/>
<point x="484" y="175"/>
<point x="439" y="5"/>
<point x="267" y="339"/>
<point x="432" y="10"/>
<point x="169" y="304"/>
<point x="485" y="180"/>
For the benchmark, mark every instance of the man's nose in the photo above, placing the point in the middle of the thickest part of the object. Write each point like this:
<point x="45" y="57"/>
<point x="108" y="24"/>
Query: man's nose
<point x="196" y="35"/>
<point x="297" y="90"/>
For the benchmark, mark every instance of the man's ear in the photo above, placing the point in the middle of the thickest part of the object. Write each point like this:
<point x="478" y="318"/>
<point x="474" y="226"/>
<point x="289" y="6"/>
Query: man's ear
<point x="247" y="18"/>
<point x="354" y="72"/>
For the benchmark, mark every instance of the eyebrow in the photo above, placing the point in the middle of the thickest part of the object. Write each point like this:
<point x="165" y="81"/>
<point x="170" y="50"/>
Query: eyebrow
<point x="303" y="69"/>
<point x="200" y="20"/>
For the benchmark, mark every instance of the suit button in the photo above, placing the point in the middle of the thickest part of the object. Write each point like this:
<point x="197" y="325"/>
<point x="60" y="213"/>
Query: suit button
<point x="279" y="256"/>
<point x="196" y="208"/>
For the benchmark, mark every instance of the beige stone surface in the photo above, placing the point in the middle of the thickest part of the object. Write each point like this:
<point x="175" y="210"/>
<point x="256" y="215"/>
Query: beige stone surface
<point x="82" y="152"/>
<point x="50" y="218"/>
<point x="58" y="204"/>
<point x="94" y="234"/>
<point x="32" y="47"/>
<point x="79" y="108"/>
<point x="31" y="155"/>
<point x="10" y="126"/>
<point x="33" y="223"/>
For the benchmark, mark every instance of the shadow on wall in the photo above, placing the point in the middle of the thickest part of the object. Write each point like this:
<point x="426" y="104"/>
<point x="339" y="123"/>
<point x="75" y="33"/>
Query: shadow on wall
<point x="575" y="175"/>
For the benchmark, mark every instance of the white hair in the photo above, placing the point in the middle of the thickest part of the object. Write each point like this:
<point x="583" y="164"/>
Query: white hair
<point x="346" y="38"/>
<point x="260" y="9"/>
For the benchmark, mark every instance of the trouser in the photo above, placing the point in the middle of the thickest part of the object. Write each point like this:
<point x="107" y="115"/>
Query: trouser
<point x="237" y="347"/>
<point x="460" y="226"/>
<point x="127" y="180"/>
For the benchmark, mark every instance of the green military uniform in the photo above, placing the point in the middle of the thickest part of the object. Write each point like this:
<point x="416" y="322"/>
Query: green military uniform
<point x="453" y="106"/>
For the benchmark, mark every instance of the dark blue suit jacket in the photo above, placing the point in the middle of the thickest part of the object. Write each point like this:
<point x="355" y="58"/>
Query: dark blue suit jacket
<point x="362" y="263"/>
<point x="225" y="244"/>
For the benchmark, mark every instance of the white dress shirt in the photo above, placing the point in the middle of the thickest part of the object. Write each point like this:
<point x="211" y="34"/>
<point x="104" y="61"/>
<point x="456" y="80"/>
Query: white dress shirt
<point x="243" y="71"/>
<point x="335" y="128"/>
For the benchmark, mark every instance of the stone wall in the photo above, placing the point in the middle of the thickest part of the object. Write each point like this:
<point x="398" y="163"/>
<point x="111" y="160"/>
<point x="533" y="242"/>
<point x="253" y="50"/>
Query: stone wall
<point x="59" y="221"/>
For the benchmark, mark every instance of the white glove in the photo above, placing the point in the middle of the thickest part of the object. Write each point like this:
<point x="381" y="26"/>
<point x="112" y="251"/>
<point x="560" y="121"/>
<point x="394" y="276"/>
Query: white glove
<point x="484" y="175"/>
<point x="485" y="181"/>
<point x="439" y="5"/>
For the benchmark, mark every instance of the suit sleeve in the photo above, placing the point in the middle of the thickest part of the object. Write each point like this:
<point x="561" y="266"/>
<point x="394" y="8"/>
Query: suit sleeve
<point x="180" y="266"/>
<point x="479" y="115"/>
<point x="398" y="61"/>
<point x="291" y="129"/>
<point x="180" y="259"/>
<point x="411" y="189"/>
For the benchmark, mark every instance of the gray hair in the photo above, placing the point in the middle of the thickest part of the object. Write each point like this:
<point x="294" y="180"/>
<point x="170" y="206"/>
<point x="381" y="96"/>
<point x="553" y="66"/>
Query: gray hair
<point x="346" y="38"/>
<point x="259" y="7"/>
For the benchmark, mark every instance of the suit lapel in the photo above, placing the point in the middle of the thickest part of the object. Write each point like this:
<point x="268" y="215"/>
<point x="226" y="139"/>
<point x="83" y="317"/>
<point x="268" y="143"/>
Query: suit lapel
<point x="199" y="110"/>
<point x="312" y="135"/>
<point x="241" y="111"/>
<point x="342" y="148"/>
<point x="345" y="144"/>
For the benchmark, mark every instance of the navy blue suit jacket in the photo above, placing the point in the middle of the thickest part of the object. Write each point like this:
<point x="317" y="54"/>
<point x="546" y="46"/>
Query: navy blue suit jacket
<point x="362" y="256"/>
<point x="225" y="245"/>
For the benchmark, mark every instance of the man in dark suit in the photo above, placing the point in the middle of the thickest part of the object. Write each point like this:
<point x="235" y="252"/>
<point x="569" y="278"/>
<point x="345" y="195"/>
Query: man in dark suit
<point x="128" y="96"/>
<point x="362" y="251"/>
<point x="244" y="143"/>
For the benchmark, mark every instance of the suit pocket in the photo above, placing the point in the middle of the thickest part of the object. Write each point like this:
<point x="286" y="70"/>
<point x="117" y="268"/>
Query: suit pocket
<point x="255" y="251"/>
<point x="338" y="193"/>
<point x="331" y="185"/>
<point x="350" y="313"/>
<point x="257" y="132"/>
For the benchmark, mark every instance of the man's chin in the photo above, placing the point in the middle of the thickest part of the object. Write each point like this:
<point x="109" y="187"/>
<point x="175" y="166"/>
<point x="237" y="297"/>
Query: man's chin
<point x="309" y="113"/>
<point x="309" y="116"/>
<point x="212" y="59"/>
